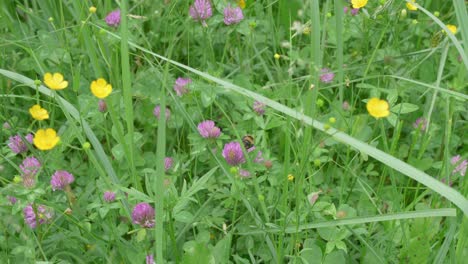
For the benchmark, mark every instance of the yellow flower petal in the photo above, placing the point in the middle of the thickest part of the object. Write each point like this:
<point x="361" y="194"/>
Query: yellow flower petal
<point x="38" y="113"/>
<point x="452" y="28"/>
<point x="378" y="108"/>
<point x="45" y="139"/>
<point x="55" y="81"/>
<point x="359" y="3"/>
<point x="411" y="6"/>
<point x="100" y="88"/>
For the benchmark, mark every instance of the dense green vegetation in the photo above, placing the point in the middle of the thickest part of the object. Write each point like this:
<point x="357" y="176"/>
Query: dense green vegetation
<point x="337" y="133"/>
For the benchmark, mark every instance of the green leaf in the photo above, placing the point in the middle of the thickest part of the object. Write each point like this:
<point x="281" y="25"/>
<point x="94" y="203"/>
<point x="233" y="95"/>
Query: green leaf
<point x="336" y="257"/>
<point x="404" y="108"/>
<point x="141" y="234"/>
<point x="198" y="253"/>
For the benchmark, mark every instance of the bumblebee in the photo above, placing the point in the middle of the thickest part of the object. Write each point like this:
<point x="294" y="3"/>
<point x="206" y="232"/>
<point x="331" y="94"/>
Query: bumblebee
<point x="248" y="141"/>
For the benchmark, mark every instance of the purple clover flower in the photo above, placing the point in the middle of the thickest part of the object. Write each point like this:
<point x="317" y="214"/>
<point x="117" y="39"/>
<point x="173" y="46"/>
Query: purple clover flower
<point x="420" y="124"/>
<point x="180" y="85"/>
<point x="150" y="259"/>
<point x="207" y="129"/>
<point x="30" y="217"/>
<point x="327" y="75"/>
<point x="12" y="199"/>
<point x="109" y="196"/>
<point x="157" y="112"/>
<point x="102" y="106"/>
<point x="259" y="107"/>
<point x="259" y="157"/>
<point x="244" y="173"/>
<point x="17" y="144"/>
<point x="30" y="166"/>
<point x="113" y="18"/>
<point x="61" y="179"/>
<point x="201" y="10"/>
<point x="354" y="11"/>
<point x="143" y="215"/>
<point x="455" y="159"/>
<point x="232" y="15"/>
<point x="461" y="167"/>
<point x="233" y="154"/>
<point x="168" y="162"/>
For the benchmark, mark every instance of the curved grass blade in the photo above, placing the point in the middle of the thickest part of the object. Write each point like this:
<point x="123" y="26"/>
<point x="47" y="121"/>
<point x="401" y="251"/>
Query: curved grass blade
<point x="443" y="212"/>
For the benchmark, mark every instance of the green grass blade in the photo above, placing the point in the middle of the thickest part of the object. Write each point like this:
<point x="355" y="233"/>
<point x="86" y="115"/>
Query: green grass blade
<point x="339" y="45"/>
<point x="443" y="212"/>
<point x="127" y="90"/>
<point x="462" y="18"/>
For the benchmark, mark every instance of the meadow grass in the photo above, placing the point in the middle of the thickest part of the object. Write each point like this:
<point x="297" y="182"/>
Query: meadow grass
<point x="335" y="184"/>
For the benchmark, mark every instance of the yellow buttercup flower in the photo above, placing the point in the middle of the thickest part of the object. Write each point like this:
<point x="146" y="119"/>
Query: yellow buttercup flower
<point x="358" y="3"/>
<point x="55" y="81"/>
<point x="241" y="3"/>
<point x="38" y="113"/>
<point x="378" y="108"/>
<point x="290" y="177"/>
<point x="452" y="28"/>
<point x="411" y="6"/>
<point x="92" y="9"/>
<point x="277" y="56"/>
<point x="100" y="88"/>
<point x="46" y="139"/>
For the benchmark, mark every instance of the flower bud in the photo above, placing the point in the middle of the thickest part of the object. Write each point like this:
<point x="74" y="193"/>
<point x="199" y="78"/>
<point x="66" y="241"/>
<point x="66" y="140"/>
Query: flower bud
<point x="86" y="145"/>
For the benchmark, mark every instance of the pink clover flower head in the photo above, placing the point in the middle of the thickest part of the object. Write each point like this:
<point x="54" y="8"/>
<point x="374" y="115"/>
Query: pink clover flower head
<point x="207" y="129"/>
<point x="345" y="9"/>
<point x="232" y="15"/>
<point x="150" y="259"/>
<point x="244" y="173"/>
<point x="60" y="179"/>
<point x="102" y="106"/>
<point x="455" y="159"/>
<point x="44" y="215"/>
<point x="168" y="162"/>
<point x="12" y="199"/>
<point x="420" y="124"/>
<point x="109" y="196"/>
<point x="201" y="10"/>
<point x="180" y="85"/>
<point x="17" y="144"/>
<point x="233" y="154"/>
<point x="354" y="11"/>
<point x="30" y="166"/>
<point x="461" y="168"/>
<point x="113" y="18"/>
<point x="259" y="158"/>
<point x="327" y="76"/>
<point x="143" y="215"/>
<point x="259" y="107"/>
<point x="157" y="112"/>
